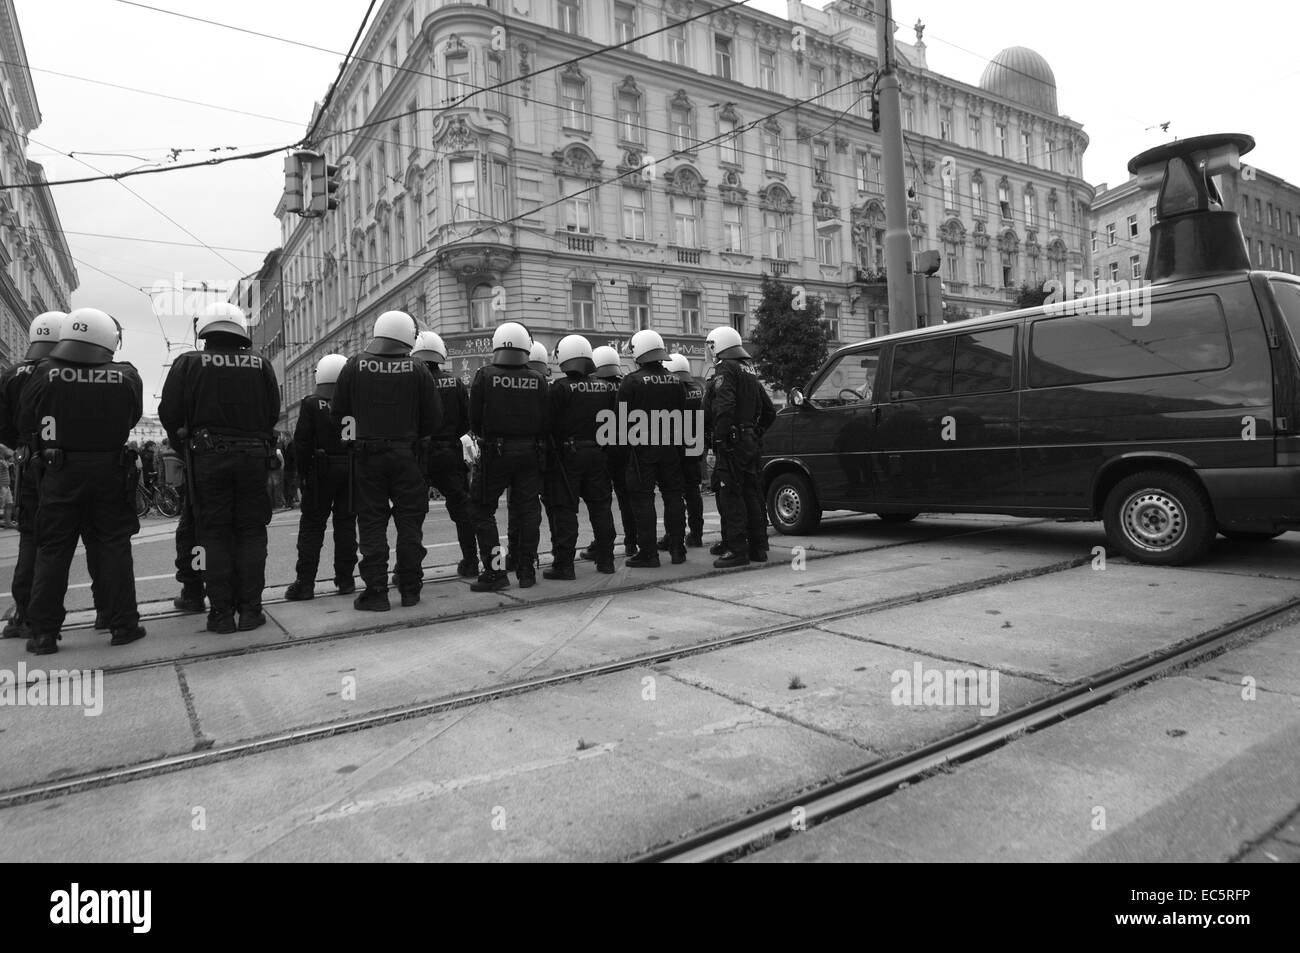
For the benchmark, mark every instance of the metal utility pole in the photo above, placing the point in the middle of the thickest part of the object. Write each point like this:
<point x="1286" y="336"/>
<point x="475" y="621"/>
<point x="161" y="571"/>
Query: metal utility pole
<point x="898" y="242"/>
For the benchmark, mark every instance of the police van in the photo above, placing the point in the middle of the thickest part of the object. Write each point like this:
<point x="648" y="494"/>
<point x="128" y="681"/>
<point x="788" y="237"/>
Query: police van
<point x="1170" y="412"/>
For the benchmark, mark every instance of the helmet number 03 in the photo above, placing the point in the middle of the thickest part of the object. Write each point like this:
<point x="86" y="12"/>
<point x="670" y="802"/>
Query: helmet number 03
<point x="80" y="326"/>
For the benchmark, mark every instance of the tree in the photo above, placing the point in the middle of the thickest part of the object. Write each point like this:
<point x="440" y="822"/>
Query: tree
<point x="789" y="345"/>
<point x="1027" y="296"/>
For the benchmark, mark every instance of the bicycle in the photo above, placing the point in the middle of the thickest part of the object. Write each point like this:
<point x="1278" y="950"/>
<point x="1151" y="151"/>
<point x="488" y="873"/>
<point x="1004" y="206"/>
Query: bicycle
<point x="165" y="499"/>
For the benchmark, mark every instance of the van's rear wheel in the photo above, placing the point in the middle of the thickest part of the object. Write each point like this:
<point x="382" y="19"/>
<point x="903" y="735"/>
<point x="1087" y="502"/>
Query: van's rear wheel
<point x="1159" y="518"/>
<point x="792" y="506"/>
<point x="897" y="517"/>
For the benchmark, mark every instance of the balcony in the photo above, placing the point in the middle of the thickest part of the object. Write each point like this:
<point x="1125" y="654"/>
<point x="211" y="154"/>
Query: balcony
<point x="779" y="269"/>
<point x="582" y="243"/>
<point x="688" y="256"/>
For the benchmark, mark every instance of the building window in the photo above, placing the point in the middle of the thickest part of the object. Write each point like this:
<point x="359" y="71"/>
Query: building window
<point x="638" y="307"/>
<point x="577" y="210"/>
<point x="722" y="56"/>
<point x="500" y="190"/>
<point x="953" y="262"/>
<point x="976" y="132"/>
<point x="570" y="15"/>
<point x="950" y="193"/>
<point x="945" y="123"/>
<point x="1152" y="214"/>
<point x="875" y="172"/>
<point x="831" y="321"/>
<point x="1114" y="271"/>
<point x="634" y="214"/>
<point x="1031" y="210"/>
<point x="1110" y="234"/>
<point x="1259" y="254"/>
<point x="729" y="142"/>
<point x="827" y="254"/>
<point x="381" y="165"/>
<point x="399" y="226"/>
<point x="1000" y="132"/>
<point x="1291" y="262"/>
<point x="1049" y="146"/>
<point x="629" y="115"/>
<point x="821" y="164"/>
<point x="981" y="267"/>
<point x="370" y="183"/>
<point x="1258" y="212"/>
<point x="685" y="212"/>
<point x="772" y="151"/>
<point x="677" y="43"/>
<point x="977" y="197"/>
<point x="625" y="23"/>
<point x="1132" y="226"/>
<point x="862" y="170"/>
<point x="1004" y="202"/>
<point x="582" y="304"/>
<point x="767" y="70"/>
<point x="817" y="81"/>
<point x="690" y="312"/>
<point x="1135" y="266"/>
<point x="775" y="227"/>
<point x="733" y="228"/>
<point x="1094" y="241"/>
<point x="496" y="99"/>
<point x="738" y="308"/>
<point x="457" y="76"/>
<point x="681" y="119"/>
<point x="573" y="103"/>
<point x="909" y="114"/>
<point x="1053" y="223"/>
<point x="464" y="190"/>
<point x="1027" y="142"/>
<point x="480" y="308"/>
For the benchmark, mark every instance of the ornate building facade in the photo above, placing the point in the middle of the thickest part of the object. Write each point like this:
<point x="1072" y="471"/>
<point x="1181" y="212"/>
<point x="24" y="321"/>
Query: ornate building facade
<point x="652" y="185"/>
<point x="36" y="269"/>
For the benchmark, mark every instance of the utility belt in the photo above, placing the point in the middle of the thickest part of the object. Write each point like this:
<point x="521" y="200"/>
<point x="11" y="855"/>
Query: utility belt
<point x="512" y="443"/>
<point x="575" y="444"/>
<point x="323" y="459"/>
<point x="371" y="445"/>
<point x="205" y="441"/>
<point x="56" y="458"/>
<point x="444" y="442"/>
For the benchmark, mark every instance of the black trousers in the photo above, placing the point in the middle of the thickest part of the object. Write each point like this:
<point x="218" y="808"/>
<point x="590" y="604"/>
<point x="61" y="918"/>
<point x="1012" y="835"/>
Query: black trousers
<point x="84" y="497"/>
<point x="389" y="481"/>
<point x="233" y="511"/>
<point x="517" y="469"/>
<point x="617" y="462"/>
<point x="449" y="476"/>
<point x="187" y="537"/>
<point x="324" y="493"/>
<point x="744" y="519"/>
<point x="691" y="476"/>
<point x="588" y="480"/>
<point x="662" y="469"/>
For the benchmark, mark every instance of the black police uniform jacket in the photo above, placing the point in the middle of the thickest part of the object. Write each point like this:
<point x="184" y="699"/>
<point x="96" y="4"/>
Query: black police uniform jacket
<point x="11" y="389"/>
<point x="576" y="400"/>
<point x="230" y="391"/>
<point x="390" y="397"/>
<point x="508" y="401"/>
<point x="455" y="404"/>
<point x="315" y="430"/>
<point x="649" y="388"/>
<point x="87" y="408"/>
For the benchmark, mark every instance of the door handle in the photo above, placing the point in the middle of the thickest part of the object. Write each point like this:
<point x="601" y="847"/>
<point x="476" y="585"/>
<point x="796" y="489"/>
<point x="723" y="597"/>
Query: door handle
<point x="875" y="414"/>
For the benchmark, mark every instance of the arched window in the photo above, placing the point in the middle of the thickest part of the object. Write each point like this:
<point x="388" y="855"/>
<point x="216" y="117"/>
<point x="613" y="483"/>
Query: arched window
<point x="480" y="307"/>
<point x="631" y="121"/>
<point x="575" y="107"/>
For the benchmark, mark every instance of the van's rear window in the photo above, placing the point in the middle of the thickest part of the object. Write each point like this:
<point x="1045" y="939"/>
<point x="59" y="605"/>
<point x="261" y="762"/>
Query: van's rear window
<point x="1175" y="337"/>
<point x="1287" y="296"/>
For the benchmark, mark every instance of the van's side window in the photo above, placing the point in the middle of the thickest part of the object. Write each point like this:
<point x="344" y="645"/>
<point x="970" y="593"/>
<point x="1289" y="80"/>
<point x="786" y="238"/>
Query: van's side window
<point x="1287" y="295"/>
<point x="922" y="368"/>
<point x="1174" y="337"/>
<point x="850" y="380"/>
<point x="984" y="361"/>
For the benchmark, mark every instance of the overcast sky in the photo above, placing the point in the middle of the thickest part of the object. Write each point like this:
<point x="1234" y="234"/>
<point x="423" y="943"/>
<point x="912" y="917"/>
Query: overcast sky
<point x="1121" y="68"/>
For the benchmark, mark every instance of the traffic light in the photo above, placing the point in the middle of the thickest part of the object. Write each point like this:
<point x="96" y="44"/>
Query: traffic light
<point x="324" y="186"/>
<point x="333" y="182"/>
<point x="293" y="183"/>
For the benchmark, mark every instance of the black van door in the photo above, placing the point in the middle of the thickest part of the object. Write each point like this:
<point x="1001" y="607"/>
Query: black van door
<point x="948" y="436"/>
<point x="835" y="429"/>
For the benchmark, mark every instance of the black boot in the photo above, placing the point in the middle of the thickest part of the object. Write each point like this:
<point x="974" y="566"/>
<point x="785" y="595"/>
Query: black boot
<point x="190" y="599"/>
<point x="490" y="581"/>
<point x="43" y="644"/>
<point x="644" y="561"/>
<point x="300" y="591"/>
<point x="695" y="540"/>
<point x="629" y="549"/>
<point x="250" y="618"/>
<point x="221" y="621"/>
<point x="345" y="586"/>
<point x="411" y="597"/>
<point x="718" y="548"/>
<point x="127" y="636"/>
<point x="101" y="623"/>
<point x="372" y="600"/>
<point x="558" y="571"/>
<point x="589" y="553"/>
<point x="467" y="568"/>
<point x="757" y="555"/>
<point x="678" y="550"/>
<point x="730" y="560"/>
<point x="16" y="628"/>
<point x="664" y="544"/>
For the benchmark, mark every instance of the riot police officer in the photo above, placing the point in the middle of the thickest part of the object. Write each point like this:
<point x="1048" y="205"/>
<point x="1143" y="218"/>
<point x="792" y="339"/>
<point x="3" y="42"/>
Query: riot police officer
<point x="609" y="367"/>
<point x="445" y="460"/>
<point x="386" y="402"/>
<point x="692" y="464"/>
<point x="81" y="406"/>
<point x="647" y="389"/>
<point x="226" y="400"/>
<point x="539" y="361"/>
<point x="579" y="470"/>
<point x="741" y="410"/>
<point x="710" y="389"/>
<point x="323" y="462"/>
<point x="508" y="415"/>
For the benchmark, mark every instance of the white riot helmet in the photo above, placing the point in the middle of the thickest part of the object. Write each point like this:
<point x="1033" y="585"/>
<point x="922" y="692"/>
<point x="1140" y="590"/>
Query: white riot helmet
<point x="648" y="346"/>
<point x="327" y="374"/>
<point x="88" y="336"/>
<point x="538" y="359"/>
<point x="511" y="345"/>
<point x="574" y="354"/>
<point x="678" y="364"/>
<point x="395" y="333"/>
<point x="43" y="334"/>
<point x="725" y="342"/>
<point x="223" y="317"/>
<point x="607" y="361"/>
<point x="429" y="347"/>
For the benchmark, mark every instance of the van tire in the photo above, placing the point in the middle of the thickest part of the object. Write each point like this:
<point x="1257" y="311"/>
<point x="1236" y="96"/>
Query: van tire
<point x="791" y="505"/>
<point x="897" y="517"/>
<point x="1159" y="518"/>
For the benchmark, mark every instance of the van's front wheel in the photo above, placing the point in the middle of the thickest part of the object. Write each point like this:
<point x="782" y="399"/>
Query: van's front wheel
<point x="1159" y="518"/>
<point x="792" y="506"/>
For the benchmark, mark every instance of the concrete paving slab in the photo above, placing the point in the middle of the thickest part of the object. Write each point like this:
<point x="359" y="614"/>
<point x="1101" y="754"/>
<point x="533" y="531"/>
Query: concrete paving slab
<point x="1182" y="768"/>
<point x="1071" y="624"/>
<point x="848" y="689"/>
<point x="835" y="582"/>
<point x="431" y="789"/>
<point x="143" y="716"/>
<point x="250" y="697"/>
<point x="1270" y="665"/>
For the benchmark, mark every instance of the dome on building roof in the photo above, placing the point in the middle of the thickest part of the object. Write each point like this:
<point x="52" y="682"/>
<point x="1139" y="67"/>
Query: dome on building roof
<point x="1023" y="76"/>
